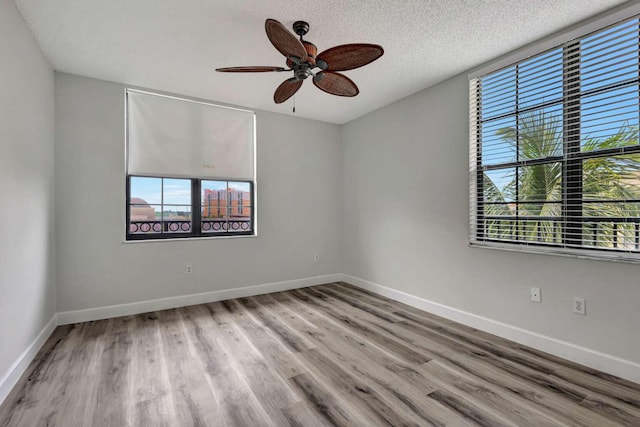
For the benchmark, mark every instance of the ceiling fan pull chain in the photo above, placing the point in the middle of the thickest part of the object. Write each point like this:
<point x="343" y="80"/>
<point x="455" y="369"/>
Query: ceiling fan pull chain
<point x="294" y="104"/>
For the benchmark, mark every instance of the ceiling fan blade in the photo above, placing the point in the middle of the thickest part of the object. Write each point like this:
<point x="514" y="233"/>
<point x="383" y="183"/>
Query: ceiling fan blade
<point x="349" y="56"/>
<point x="286" y="90"/>
<point x="256" y="69"/>
<point x="335" y="84"/>
<point x="283" y="40"/>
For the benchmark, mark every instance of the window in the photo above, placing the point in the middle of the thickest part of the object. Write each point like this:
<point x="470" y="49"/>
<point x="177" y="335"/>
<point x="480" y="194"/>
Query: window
<point x="554" y="153"/>
<point x="190" y="169"/>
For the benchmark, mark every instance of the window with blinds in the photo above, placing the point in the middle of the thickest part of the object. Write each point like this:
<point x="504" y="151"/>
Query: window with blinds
<point x="554" y="153"/>
<point x="190" y="169"/>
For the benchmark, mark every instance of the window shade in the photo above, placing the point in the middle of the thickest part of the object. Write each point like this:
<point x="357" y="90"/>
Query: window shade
<point x="181" y="138"/>
<point x="554" y="154"/>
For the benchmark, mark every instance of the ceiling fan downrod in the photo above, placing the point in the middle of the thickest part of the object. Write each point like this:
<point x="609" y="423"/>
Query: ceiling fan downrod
<point x="302" y="69"/>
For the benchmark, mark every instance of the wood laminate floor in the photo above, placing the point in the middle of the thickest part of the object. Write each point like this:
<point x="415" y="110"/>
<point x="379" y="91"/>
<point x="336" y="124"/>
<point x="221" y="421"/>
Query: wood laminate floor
<point x="320" y="356"/>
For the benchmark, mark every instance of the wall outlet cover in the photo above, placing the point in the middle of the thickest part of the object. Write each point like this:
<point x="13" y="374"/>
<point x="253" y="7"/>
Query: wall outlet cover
<point x="536" y="295"/>
<point x="579" y="306"/>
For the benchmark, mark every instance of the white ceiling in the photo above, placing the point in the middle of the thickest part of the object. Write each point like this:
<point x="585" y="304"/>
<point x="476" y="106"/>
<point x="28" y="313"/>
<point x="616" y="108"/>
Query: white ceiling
<point x="175" y="45"/>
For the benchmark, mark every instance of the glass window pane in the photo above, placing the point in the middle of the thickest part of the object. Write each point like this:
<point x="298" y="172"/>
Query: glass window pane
<point x="499" y="185"/>
<point x="145" y="219"/>
<point x="499" y="93"/>
<point x="214" y="200"/>
<point x="540" y="79"/>
<point x="239" y="199"/>
<point x="499" y="141"/>
<point x="240" y="186"/>
<point x="145" y="190"/>
<point x="609" y="119"/>
<point x="540" y="209"/>
<point x="540" y="231"/>
<point x="176" y="191"/>
<point x="610" y="56"/>
<point x="611" y="188"/>
<point x="503" y="229"/>
<point x="612" y="178"/>
<point x="239" y="224"/>
<point x="611" y="235"/>
<point x="540" y="133"/>
<point x="177" y="219"/>
<point x="213" y="225"/>
<point x="540" y="183"/>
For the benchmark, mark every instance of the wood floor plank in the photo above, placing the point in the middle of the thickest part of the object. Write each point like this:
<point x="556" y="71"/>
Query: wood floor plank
<point x="293" y="340"/>
<point x="355" y="368"/>
<point x="113" y="399"/>
<point x="238" y="405"/>
<point x="441" y="345"/>
<point x="192" y="395"/>
<point x="304" y="415"/>
<point x="329" y="355"/>
<point x="485" y="396"/>
<point x="531" y="371"/>
<point x="590" y="383"/>
<point x="412" y="392"/>
<point x="68" y="403"/>
<point x="355" y="303"/>
<point x="271" y="390"/>
<point x="324" y="402"/>
<point x="32" y="401"/>
<point x="392" y="388"/>
<point x="627" y="390"/>
<point x="389" y="342"/>
<point x="153" y="403"/>
<point x="280" y="357"/>
<point x="368" y="401"/>
<point x="96" y="333"/>
<point x="371" y="350"/>
<point x="566" y="410"/>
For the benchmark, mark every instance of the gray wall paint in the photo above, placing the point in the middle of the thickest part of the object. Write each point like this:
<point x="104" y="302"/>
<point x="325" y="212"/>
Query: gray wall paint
<point x="299" y="180"/>
<point x="406" y="213"/>
<point x="27" y="294"/>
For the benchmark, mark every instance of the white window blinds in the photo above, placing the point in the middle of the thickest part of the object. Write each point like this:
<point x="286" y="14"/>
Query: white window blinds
<point x="172" y="137"/>
<point x="554" y="153"/>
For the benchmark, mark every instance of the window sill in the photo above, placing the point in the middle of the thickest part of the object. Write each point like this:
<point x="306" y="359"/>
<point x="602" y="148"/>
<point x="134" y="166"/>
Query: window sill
<point x="623" y="257"/>
<point x="189" y="239"/>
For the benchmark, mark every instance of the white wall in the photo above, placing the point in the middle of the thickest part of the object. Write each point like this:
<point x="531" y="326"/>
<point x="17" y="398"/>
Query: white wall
<point x="299" y="181"/>
<point x="27" y="294"/>
<point x="406" y="213"/>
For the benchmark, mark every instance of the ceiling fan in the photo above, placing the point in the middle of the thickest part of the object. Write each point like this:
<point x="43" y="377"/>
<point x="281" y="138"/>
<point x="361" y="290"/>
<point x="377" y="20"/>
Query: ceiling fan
<point x="302" y="59"/>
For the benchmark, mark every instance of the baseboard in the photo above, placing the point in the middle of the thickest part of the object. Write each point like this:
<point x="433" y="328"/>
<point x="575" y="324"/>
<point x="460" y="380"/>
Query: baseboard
<point x="17" y="368"/>
<point x="78" y="316"/>
<point x="594" y="359"/>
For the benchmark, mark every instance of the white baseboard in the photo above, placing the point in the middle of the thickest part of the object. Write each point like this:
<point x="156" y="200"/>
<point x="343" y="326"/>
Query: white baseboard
<point x="11" y="377"/>
<point x="582" y="355"/>
<point x="78" y="316"/>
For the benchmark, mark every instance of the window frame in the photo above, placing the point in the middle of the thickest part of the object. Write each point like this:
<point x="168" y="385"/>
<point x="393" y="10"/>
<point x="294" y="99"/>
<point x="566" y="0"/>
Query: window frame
<point x="572" y="157"/>
<point x="197" y="235"/>
<point x="196" y="213"/>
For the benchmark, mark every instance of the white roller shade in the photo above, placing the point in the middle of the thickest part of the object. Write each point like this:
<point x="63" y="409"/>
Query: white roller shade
<point x="175" y="137"/>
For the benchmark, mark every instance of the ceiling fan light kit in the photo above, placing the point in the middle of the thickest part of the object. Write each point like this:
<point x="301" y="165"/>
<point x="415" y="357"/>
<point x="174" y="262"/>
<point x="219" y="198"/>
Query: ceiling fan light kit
<point x="303" y="59"/>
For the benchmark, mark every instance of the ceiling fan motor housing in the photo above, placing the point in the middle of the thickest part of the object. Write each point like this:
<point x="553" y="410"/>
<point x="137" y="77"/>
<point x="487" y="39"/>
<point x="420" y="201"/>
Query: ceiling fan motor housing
<point x="310" y="60"/>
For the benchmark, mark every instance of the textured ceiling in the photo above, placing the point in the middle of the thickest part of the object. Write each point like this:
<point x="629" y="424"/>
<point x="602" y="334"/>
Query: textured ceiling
<point x="175" y="45"/>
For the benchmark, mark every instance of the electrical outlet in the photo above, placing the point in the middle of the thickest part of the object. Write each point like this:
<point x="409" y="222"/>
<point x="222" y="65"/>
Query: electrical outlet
<point x="536" y="295"/>
<point x="316" y="258"/>
<point x="188" y="269"/>
<point x="579" y="306"/>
